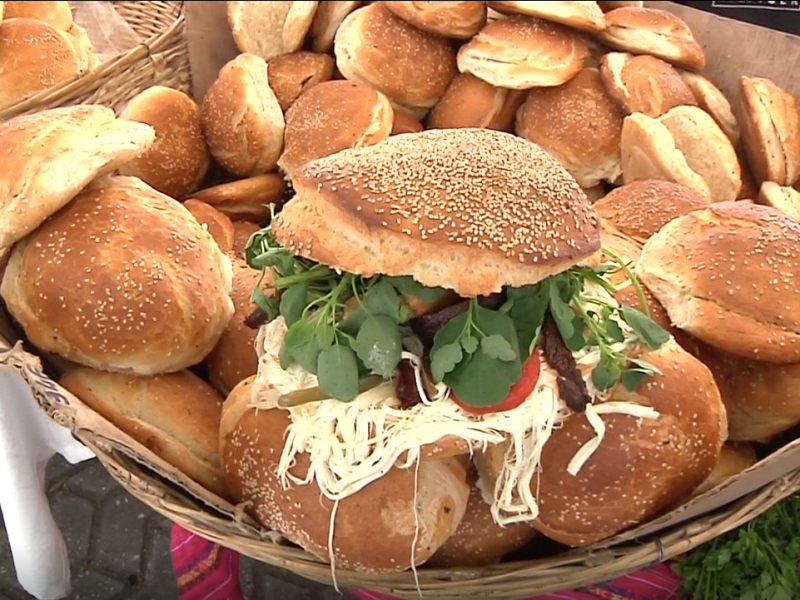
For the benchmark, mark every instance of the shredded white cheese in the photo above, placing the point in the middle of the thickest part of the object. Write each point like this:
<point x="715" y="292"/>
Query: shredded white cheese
<point x="351" y="444"/>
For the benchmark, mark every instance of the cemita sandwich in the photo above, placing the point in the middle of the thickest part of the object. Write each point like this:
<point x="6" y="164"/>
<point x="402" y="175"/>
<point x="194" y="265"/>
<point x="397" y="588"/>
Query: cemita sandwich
<point x="441" y="296"/>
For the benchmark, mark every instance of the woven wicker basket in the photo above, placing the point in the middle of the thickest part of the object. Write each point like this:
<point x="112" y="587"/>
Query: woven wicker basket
<point x="162" y="59"/>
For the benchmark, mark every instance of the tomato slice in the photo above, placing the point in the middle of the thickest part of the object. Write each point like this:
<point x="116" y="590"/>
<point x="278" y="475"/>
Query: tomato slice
<point x="518" y="393"/>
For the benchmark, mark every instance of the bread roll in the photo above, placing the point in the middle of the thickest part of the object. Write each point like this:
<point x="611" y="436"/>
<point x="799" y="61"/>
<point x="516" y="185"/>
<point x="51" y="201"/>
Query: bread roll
<point x="585" y="16"/>
<point x="66" y="149"/>
<point x="334" y="116"/>
<point x="121" y="279"/>
<point x="178" y="160"/>
<point x="2" y="10"/>
<point x="713" y="101"/>
<point x="641" y="467"/>
<point x="770" y="122"/>
<point x="245" y="199"/>
<point x="388" y="218"/>
<point x="327" y="19"/>
<point x="81" y="40"/>
<point x="377" y="48"/>
<point x="405" y="515"/>
<point x="579" y="124"/>
<point x="53" y="12"/>
<point x="242" y="230"/>
<point x="644" y="84"/>
<point x="242" y="119"/>
<point x="640" y="208"/>
<point x="471" y="102"/>
<point x="176" y="416"/>
<point x="728" y="275"/>
<point x="290" y="74"/>
<point x="521" y="52"/>
<point x="269" y="29"/>
<point x="458" y="20"/>
<point x="734" y="458"/>
<point x="404" y="122"/>
<point x="234" y="357"/>
<point x="653" y="31"/>
<point x="611" y="5"/>
<point x="783" y="198"/>
<point x="218" y="225"/>
<point x="35" y="56"/>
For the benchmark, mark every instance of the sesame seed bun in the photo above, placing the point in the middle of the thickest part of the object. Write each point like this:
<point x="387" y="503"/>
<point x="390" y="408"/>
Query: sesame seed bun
<point x="641" y="467"/>
<point x="178" y="160"/>
<point x="69" y="147"/>
<point x="585" y="16"/>
<point x="218" y="225"/>
<point x="728" y="275"/>
<point x="458" y="20"/>
<point x="471" y="210"/>
<point x="579" y="124"/>
<point x="520" y="52"/>
<point x="410" y="66"/>
<point x="121" y="279"/>
<point x="53" y="12"/>
<point x="153" y="411"/>
<point x="640" y="208"/>
<point x="377" y="529"/>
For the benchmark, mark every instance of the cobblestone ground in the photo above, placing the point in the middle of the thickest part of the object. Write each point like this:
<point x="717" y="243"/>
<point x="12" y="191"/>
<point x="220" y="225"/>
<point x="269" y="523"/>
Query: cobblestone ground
<point x="119" y="547"/>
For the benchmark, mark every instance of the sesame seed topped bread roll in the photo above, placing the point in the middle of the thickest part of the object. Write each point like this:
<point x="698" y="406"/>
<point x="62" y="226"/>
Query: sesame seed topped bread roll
<point x="640" y="208"/>
<point x="269" y="29"/>
<point x="178" y="160"/>
<point x="653" y="31"/>
<point x="458" y="20"/>
<point x="502" y="211"/>
<point x="216" y="223"/>
<point x="579" y="124"/>
<point x="35" y="56"/>
<point x="122" y="279"/>
<point x="519" y="52"/>
<point x="728" y="275"/>
<point x="411" y="67"/>
<point x="53" y="12"/>
<point x="334" y="116"/>
<point x="69" y="148"/>
<point x="770" y="122"/>
<point x="290" y="74"/>
<point x="327" y="19"/>
<point x="585" y="16"/>
<point x="242" y="119"/>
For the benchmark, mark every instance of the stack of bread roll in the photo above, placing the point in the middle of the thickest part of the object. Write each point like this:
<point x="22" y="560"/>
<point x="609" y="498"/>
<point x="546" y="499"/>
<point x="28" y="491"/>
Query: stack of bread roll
<point x="140" y="225"/>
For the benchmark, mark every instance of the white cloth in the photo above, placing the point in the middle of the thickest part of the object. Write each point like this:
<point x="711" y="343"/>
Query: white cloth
<point x="28" y="440"/>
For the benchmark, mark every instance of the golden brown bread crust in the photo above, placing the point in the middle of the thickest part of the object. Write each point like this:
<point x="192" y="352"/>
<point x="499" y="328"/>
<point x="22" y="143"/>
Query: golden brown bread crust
<point x="458" y="20"/>
<point x="644" y="84"/>
<point x="35" y="56"/>
<point x="770" y="129"/>
<point x="216" y="223"/>
<point x="53" y="12"/>
<point x="242" y="230"/>
<point x="290" y="74"/>
<point x="269" y="29"/>
<point x="585" y="16"/>
<point x="178" y="160"/>
<point x="653" y="31"/>
<point x="728" y="275"/>
<point x="612" y="5"/>
<point x="783" y="198"/>
<point x="640" y="208"/>
<point x="711" y="99"/>
<point x="734" y="458"/>
<point x="334" y="116"/>
<point x="122" y="279"/>
<point x="74" y="145"/>
<point x="377" y="529"/>
<point x="471" y="102"/>
<point x="404" y="122"/>
<point x="242" y="119"/>
<point x="327" y="19"/>
<point x="516" y="218"/>
<point x="642" y="466"/>
<point x="176" y="416"/>
<point x="579" y="124"/>
<point x="520" y="52"/>
<point x="410" y="66"/>
<point x="245" y="199"/>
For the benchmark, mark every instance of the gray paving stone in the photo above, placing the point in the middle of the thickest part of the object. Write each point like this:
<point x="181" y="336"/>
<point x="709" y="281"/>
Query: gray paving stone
<point x="92" y="481"/>
<point x="121" y="521"/>
<point x="74" y="514"/>
<point x="158" y="561"/>
<point x="94" y="585"/>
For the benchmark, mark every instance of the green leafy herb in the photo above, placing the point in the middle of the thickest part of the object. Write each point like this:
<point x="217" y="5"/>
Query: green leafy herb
<point x="758" y="561"/>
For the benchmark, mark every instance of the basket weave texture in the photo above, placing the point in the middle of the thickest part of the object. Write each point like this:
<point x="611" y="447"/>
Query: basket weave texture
<point x="161" y="59"/>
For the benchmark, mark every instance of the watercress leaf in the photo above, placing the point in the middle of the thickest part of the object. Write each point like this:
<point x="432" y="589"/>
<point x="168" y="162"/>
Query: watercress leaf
<point x="337" y="372"/>
<point x="307" y="354"/>
<point x="353" y="321"/>
<point x="650" y="332"/>
<point x="578" y="338"/>
<point x="490" y="322"/>
<point x="605" y="375"/>
<point x="298" y="334"/>
<point x="325" y="335"/>
<point x="527" y="312"/>
<point x="378" y="345"/>
<point x="562" y="313"/>
<point x="469" y="343"/>
<point x="497" y="347"/>
<point x="631" y="379"/>
<point x="444" y="359"/>
<point x="264" y="302"/>
<point x="285" y="356"/>
<point x="451" y="332"/>
<point x="294" y="300"/>
<point x="483" y="381"/>
<point x="613" y="330"/>
<point x="644" y="366"/>
<point x="382" y="299"/>
<point x="410" y="287"/>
